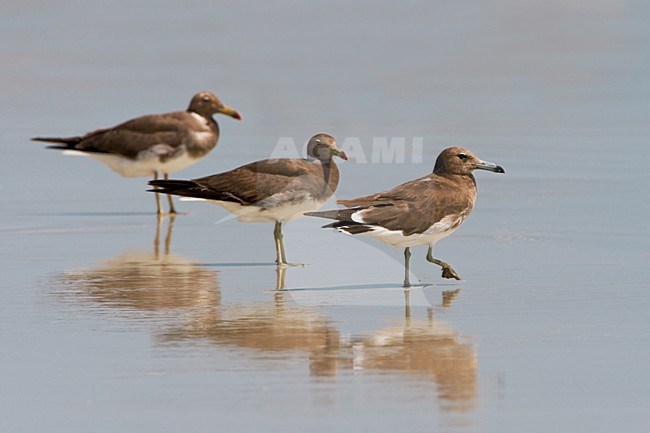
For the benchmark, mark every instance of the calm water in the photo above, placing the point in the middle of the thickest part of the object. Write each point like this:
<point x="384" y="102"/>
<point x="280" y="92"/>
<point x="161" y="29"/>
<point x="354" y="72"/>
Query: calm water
<point x="112" y="322"/>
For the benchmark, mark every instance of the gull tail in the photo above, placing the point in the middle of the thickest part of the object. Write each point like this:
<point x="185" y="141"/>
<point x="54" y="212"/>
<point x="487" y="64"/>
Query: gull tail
<point x="344" y="223"/>
<point x="66" y="143"/>
<point x="349" y="227"/>
<point x="189" y="188"/>
<point x="172" y="184"/>
<point x="184" y="188"/>
<point x="329" y="214"/>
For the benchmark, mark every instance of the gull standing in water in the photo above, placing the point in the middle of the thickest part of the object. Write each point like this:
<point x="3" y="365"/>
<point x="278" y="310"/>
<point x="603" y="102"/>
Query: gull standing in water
<point x="272" y="190"/>
<point x="153" y="144"/>
<point x="418" y="212"/>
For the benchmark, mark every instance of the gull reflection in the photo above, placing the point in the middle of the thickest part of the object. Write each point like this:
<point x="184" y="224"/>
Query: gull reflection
<point x="413" y="350"/>
<point x="429" y="347"/>
<point x="147" y="281"/>
<point x="275" y="328"/>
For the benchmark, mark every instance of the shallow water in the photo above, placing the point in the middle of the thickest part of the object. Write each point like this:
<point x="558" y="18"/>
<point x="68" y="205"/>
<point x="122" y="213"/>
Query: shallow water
<point x="112" y="322"/>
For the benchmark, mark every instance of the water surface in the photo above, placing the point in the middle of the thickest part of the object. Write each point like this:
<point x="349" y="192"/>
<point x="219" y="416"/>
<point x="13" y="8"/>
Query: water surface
<point x="111" y="321"/>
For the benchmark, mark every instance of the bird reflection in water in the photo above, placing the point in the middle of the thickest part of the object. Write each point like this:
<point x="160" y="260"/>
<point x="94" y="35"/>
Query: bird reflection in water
<point x="276" y="329"/>
<point x="279" y="329"/>
<point x="428" y="347"/>
<point x="154" y="282"/>
<point x="161" y="285"/>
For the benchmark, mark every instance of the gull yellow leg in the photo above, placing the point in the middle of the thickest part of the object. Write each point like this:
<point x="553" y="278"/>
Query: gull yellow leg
<point x="407" y="259"/>
<point x="279" y="246"/>
<point x="447" y="271"/>
<point x="172" y="211"/>
<point x="158" y="209"/>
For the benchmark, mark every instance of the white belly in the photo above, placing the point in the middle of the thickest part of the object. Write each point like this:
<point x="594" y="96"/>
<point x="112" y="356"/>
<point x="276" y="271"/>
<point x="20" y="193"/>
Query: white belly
<point x="142" y="167"/>
<point x="433" y="234"/>
<point x="251" y="213"/>
<point x="397" y="239"/>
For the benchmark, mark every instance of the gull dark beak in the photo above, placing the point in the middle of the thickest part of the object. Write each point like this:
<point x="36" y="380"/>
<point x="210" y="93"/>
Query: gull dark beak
<point x="489" y="166"/>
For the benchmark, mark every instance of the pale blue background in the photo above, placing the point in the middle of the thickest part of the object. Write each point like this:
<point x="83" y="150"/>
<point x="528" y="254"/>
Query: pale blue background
<point x="554" y="303"/>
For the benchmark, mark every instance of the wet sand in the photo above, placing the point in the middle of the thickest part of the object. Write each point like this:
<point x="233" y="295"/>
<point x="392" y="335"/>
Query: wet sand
<point x="111" y="321"/>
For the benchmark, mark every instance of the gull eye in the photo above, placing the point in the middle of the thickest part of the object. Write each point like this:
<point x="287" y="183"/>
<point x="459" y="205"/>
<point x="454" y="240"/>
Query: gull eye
<point x="206" y="99"/>
<point x="462" y="156"/>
